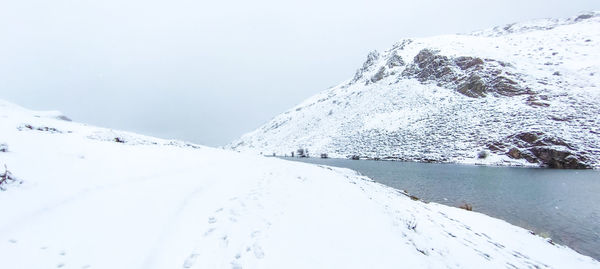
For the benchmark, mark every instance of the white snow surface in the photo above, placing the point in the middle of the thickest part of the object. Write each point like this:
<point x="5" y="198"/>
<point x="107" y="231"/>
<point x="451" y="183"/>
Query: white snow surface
<point x="83" y="200"/>
<point x="382" y="113"/>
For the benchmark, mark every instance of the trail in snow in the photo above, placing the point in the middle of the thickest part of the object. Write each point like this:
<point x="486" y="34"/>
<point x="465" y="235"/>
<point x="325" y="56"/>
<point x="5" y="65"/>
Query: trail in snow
<point x="157" y="204"/>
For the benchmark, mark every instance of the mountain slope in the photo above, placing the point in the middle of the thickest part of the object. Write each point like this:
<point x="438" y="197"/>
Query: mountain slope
<point x="79" y="196"/>
<point x="522" y="94"/>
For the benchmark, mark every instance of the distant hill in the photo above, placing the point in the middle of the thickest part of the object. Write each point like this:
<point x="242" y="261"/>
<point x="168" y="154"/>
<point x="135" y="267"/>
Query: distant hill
<point x="521" y="94"/>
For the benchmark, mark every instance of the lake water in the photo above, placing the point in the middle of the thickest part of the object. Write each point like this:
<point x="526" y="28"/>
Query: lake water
<point x="561" y="204"/>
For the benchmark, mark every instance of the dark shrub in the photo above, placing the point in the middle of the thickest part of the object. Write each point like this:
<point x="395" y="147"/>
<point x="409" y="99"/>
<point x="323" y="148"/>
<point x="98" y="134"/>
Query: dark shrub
<point x="466" y="206"/>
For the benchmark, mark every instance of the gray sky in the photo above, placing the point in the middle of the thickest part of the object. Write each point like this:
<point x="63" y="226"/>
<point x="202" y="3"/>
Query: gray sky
<point x="209" y="71"/>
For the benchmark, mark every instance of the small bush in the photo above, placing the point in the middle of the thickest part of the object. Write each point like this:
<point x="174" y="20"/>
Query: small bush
<point x="6" y="177"/>
<point x="411" y="224"/>
<point x="466" y="206"/>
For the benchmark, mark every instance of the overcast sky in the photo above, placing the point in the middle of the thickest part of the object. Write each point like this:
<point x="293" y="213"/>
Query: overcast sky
<point x="209" y="71"/>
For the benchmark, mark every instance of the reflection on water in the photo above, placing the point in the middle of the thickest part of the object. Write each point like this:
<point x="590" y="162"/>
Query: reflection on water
<point x="562" y="204"/>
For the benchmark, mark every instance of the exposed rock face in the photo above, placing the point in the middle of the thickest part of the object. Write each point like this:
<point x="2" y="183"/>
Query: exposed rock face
<point x="379" y="75"/>
<point x="514" y="153"/>
<point x="473" y="87"/>
<point x="371" y="59"/>
<point x="470" y="76"/>
<point x="537" y="147"/>
<point x="559" y="159"/>
<point x="428" y="65"/>
<point x="394" y="61"/>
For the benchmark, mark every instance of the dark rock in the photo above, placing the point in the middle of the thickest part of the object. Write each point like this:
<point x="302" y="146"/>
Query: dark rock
<point x="514" y="153"/>
<point x="548" y="151"/>
<point x="395" y="60"/>
<point x="379" y="75"/>
<point x="554" y="158"/>
<point x="3" y="147"/>
<point x="528" y="156"/>
<point x="505" y="86"/>
<point x="584" y="17"/>
<point x="432" y="66"/>
<point x="467" y="62"/>
<point x="470" y="76"/>
<point x="554" y="141"/>
<point x="528" y="137"/>
<point x="473" y="87"/>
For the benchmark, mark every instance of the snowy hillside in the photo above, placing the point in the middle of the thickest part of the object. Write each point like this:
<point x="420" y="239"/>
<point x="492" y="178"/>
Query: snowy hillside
<point x="78" y="196"/>
<point x="522" y="94"/>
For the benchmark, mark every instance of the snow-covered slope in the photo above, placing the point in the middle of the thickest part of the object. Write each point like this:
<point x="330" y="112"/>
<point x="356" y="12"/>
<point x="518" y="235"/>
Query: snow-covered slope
<point x="522" y="94"/>
<point x="85" y="197"/>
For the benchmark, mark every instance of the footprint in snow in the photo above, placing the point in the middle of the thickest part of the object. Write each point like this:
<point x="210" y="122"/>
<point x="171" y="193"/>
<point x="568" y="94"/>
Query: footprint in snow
<point x="209" y="231"/>
<point x="258" y="251"/>
<point x="212" y="220"/>
<point x="235" y="265"/>
<point x="225" y="240"/>
<point x="234" y="213"/>
<point x="190" y="261"/>
<point x="255" y="234"/>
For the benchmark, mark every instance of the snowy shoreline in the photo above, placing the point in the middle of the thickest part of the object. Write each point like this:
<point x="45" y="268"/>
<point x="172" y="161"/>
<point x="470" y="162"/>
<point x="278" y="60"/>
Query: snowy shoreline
<point x="90" y="200"/>
<point x="465" y="162"/>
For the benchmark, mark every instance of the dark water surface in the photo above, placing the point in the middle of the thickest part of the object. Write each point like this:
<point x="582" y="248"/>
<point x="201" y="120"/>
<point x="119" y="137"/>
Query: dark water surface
<point x="561" y="204"/>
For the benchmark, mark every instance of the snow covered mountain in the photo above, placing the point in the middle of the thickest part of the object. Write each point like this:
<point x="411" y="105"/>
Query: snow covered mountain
<point x="522" y="94"/>
<point x="78" y="196"/>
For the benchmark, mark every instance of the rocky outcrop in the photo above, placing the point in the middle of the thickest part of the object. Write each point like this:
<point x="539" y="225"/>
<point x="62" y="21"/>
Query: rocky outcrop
<point x="471" y="76"/>
<point x="394" y="61"/>
<point x="379" y="75"/>
<point x="371" y="59"/>
<point x="537" y="147"/>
